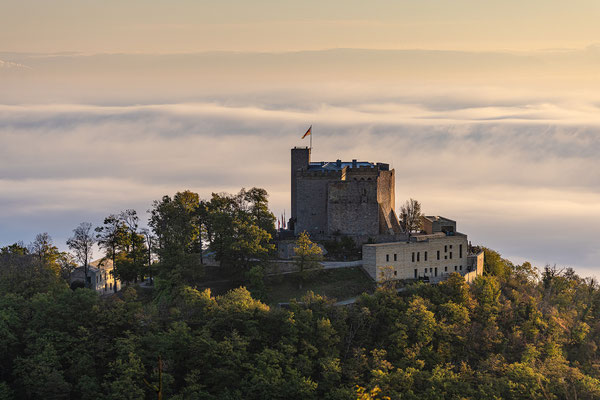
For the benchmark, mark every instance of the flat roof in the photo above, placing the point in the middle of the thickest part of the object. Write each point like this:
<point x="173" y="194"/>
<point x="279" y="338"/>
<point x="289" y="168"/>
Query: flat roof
<point x="416" y="238"/>
<point x="335" y="166"/>
<point x="433" y="218"/>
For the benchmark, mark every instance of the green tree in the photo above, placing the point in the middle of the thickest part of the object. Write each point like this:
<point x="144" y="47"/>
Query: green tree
<point x="112" y="237"/>
<point x="45" y="250"/>
<point x="495" y="265"/>
<point x="176" y="225"/>
<point x="307" y="257"/>
<point x="24" y="275"/>
<point x="124" y="378"/>
<point x="133" y="265"/>
<point x="14" y="249"/>
<point x="237" y="227"/>
<point x="256" y="202"/>
<point x="41" y="374"/>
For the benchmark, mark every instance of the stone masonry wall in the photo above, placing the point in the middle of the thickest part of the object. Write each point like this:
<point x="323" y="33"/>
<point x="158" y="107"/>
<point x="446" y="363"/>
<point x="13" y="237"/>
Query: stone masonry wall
<point x="311" y="201"/>
<point x="352" y="207"/>
<point x="300" y="159"/>
<point x="387" y="199"/>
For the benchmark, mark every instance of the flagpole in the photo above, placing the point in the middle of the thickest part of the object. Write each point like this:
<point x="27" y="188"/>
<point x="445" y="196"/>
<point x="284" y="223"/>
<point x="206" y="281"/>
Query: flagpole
<point x="311" y="137"/>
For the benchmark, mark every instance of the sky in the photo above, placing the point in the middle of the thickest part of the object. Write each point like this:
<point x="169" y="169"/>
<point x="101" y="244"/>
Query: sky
<point x="488" y="111"/>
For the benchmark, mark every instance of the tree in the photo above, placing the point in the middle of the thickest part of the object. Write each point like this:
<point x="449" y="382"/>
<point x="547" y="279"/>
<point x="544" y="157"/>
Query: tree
<point x="124" y="377"/>
<point x="43" y="248"/>
<point x="238" y="227"/>
<point x="135" y="255"/>
<point x="81" y="244"/>
<point x="41" y="373"/>
<point x="495" y="265"/>
<point x="410" y="216"/>
<point x="17" y="248"/>
<point x="176" y="225"/>
<point x="256" y="203"/>
<point x="307" y="256"/>
<point x="47" y="254"/>
<point x="112" y="237"/>
<point x="150" y="241"/>
<point x="66" y="264"/>
<point x="25" y="275"/>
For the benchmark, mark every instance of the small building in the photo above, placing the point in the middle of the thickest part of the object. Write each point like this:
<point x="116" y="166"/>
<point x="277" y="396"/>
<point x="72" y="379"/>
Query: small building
<point x="100" y="277"/>
<point x="431" y="255"/>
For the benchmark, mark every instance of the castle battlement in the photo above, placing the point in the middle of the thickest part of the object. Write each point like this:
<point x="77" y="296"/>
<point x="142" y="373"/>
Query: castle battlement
<point x="319" y="173"/>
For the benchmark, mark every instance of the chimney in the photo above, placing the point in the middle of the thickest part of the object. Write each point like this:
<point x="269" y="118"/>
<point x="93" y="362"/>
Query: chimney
<point x="353" y="163"/>
<point x="338" y="163"/>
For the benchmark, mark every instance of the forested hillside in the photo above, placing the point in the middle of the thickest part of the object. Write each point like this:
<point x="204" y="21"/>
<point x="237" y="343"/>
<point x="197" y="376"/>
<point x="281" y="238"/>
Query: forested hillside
<point x="512" y="334"/>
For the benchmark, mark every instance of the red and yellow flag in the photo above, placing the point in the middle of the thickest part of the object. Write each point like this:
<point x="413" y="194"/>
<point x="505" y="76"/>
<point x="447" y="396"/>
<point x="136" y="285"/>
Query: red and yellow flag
<point x="308" y="132"/>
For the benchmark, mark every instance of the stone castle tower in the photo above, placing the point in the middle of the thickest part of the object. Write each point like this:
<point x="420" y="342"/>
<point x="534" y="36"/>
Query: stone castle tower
<point x="349" y="198"/>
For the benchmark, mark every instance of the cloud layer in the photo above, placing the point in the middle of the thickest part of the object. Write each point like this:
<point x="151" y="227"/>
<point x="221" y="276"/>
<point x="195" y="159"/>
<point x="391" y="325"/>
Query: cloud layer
<point x="515" y="165"/>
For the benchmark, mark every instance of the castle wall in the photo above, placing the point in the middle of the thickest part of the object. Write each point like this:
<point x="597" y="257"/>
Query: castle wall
<point x="369" y="261"/>
<point x="386" y="196"/>
<point x="475" y="263"/>
<point x="352" y="207"/>
<point x="311" y="200"/>
<point x="300" y="159"/>
<point x="427" y="225"/>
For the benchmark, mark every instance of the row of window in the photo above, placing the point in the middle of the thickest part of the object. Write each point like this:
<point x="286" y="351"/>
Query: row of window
<point x="434" y="271"/>
<point x="418" y="255"/>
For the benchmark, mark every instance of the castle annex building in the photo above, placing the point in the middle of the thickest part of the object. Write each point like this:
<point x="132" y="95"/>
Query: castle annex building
<point x="432" y="254"/>
<point x="353" y="198"/>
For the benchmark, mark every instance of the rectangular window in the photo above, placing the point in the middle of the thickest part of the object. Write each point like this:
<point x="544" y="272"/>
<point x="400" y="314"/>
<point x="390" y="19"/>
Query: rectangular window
<point x="416" y="273"/>
<point x="395" y="273"/>
<point x="438" y="254"/>
<point x="455" y="268"/>
<point x="387" y="257"/>
<point x="413" y="256"/>
<point x="445" y="249"/>
<point x="451" y="255"/>
<point x="395" y="257"/>
<point x="425" y="271"/>
<point x="450" y="246"/>
<point x="445" y="257"/>
<point x="425" y="256"/>
<point x="435" y="271"/>
<point x="460" y="267"/>
<point x="460" y="251"/>
<point x="445" y="269"/>
<point x="418" y="256"/>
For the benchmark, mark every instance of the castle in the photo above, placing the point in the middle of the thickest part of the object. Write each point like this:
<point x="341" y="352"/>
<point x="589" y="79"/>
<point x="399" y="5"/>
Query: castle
<point x="354" y="198"/>
<point x="357" y="199"/>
